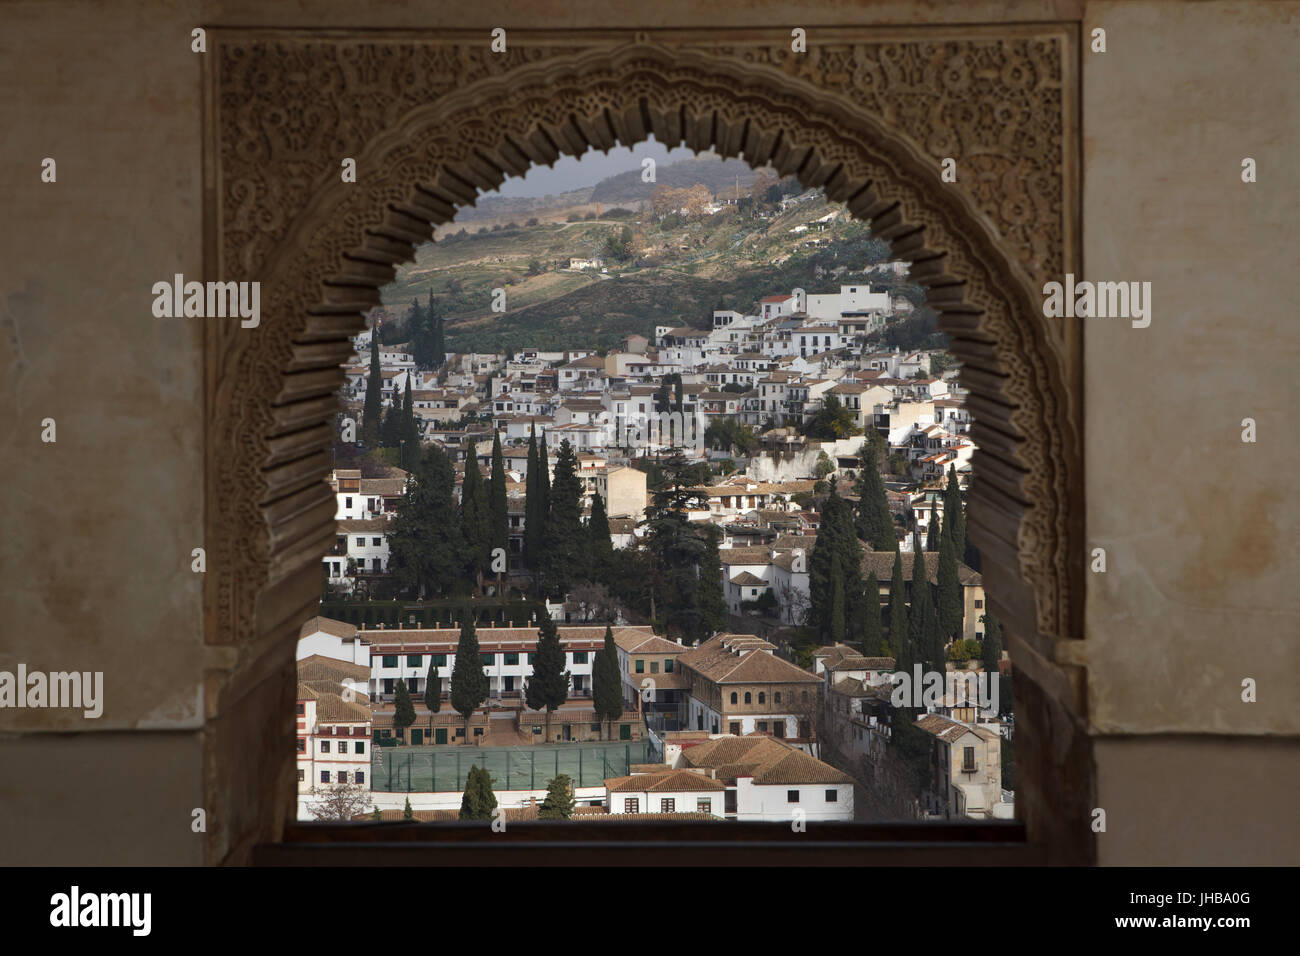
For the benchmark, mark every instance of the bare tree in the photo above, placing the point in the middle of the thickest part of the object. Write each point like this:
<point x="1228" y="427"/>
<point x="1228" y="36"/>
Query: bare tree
<point x="341" y="803"/>
<point x="595" y="600"/>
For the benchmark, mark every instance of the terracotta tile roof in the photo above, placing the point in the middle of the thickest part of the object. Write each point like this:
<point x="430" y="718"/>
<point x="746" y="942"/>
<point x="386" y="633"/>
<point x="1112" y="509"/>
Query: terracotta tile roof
<point x="745" y="555"/>
<point x="643" y="643"/>
<point x="324" y="687"/>
<point x="742" y="659"/>
<point x="364" y="526"/>
<point x="665" y="781"/>
<point x="327" y="626"/>
<point x="333" y="708"/>
<point x="766" y="759"/>
<point x="490" y="638"/>
<point x="949" y="730"/>
<point x="796" y="768"/>
<point x="882" y="563"/>
<point x="318" y="667"/>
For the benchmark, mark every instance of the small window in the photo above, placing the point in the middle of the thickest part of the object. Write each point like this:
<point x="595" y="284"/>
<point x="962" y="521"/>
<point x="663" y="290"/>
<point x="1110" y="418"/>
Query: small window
<point x="640" y="666"/>
<point x="376" y="542"/>
<point x="360" y="777"/>
<point x="343" y="746"/>
<point x="792" y="796"/>
<point x="478" y="731"/>
<point x="832" y="796"/>
<point x="324" y="776"/>
<point x="579" y="657"/>
<point x="348" y="501"/>
<point x="413" y="660"/>
<point x="488" y="659"/>
<point x="704" y="805"/>
<point x="776" y="697"/>
<point x="302" y="745"/>
<point x="734" y="697"/>
<point x="749" y="699"/>
<point x="512" y="660"/>
<point x="668" y="666"/>
<point x="439" y="660"/>
<point x="360" y="746"/>
<point x="390" y="660"/>
<point x="654" y="667"/>
<point x="979" y="603"/>
<point x="302" y="776"/>
<point x="632" y="805"/>
<point x="361" y="542"/>
<point x="667" y="805"/>
<point x="762" y="697"/>
<point x="302" y="709"/>
<point x="324" y="746"/>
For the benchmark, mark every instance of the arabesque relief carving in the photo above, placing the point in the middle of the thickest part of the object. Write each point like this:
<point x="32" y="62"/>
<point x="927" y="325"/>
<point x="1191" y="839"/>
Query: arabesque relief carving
<point x="433" y="120"/>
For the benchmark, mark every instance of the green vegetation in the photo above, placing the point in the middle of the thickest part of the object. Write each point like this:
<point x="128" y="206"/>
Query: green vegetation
<point x="661" y="268"/>
<point x="558" y="804"/>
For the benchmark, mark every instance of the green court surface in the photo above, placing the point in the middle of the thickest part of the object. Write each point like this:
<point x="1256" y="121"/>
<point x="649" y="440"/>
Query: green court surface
<point x="443" y="769"/>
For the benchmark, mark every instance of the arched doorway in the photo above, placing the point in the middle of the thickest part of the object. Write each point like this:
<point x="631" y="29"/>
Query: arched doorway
<point x="430" y="123"/>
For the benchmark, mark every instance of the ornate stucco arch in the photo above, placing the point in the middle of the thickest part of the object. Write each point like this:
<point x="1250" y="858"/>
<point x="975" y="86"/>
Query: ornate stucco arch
<point x="433" y="121"/>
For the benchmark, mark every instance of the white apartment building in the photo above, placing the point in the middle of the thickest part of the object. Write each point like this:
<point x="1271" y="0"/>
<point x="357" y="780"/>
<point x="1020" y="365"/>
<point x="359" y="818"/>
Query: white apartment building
<point x="763" y="778"/>
<point x="333" y="724"/>
<point x="506" y="655"/>
<point x="967" y="778"/>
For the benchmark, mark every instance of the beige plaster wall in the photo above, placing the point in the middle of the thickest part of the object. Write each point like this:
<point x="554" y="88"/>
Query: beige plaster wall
<point x="100" y="524"/>
<point x="1202" y="532"/>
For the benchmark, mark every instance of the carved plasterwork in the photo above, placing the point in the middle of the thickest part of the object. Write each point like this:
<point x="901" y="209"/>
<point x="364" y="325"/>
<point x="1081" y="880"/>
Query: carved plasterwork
<point x="433" y="120"/>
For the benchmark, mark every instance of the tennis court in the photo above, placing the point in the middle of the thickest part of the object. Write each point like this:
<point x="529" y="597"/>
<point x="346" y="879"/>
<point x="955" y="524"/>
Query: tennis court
<point x="443" y="769"/>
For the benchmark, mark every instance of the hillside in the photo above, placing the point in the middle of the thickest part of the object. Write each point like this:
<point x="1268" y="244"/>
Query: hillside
<point x="719" y="176"/>
<point x="681" y="269"/>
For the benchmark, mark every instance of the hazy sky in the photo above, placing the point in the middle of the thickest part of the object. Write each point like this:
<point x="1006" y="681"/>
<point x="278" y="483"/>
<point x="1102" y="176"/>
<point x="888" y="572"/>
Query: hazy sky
<point x="574" y="173"/>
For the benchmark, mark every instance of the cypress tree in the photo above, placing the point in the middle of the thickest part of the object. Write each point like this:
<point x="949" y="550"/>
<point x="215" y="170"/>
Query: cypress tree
<point x="874" y="521"/>
<point x="950" y="603"/>
<point x="953" y="517"/>
<point x="475" y="516"/>
<point x="532" y="503"/>
<point x="709" y="596"/>
<point x="438" y="332"/>
<point x="565" y="546"/>
<point x="601" y="545"/>
<point x="432" y="690"/>
<point x="836" y="563"/>
<point x="478" y="801"/>
<point x="469" y="685"/>
<point x="558" y="804"/>
<point x="898" y="625"/>
<point x="403" y="709"/>
<point x="426" y="544"/>
<point x="932" y="535"/>
<point x="544" y="480"/>
<point x="498" y="505"/>
<point x="606" y="681"/>
<point x="872" y="638"/>
<point x="549" y="686"/>
<point x="922" y="620"/>
<point x="410" y="431"/>
<point x="407" y="812"/>
<point x="391" y="433"/>
<point x="372" y="417"/>
<point x="837" y="600"/>
<point x="991" y="649"/>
